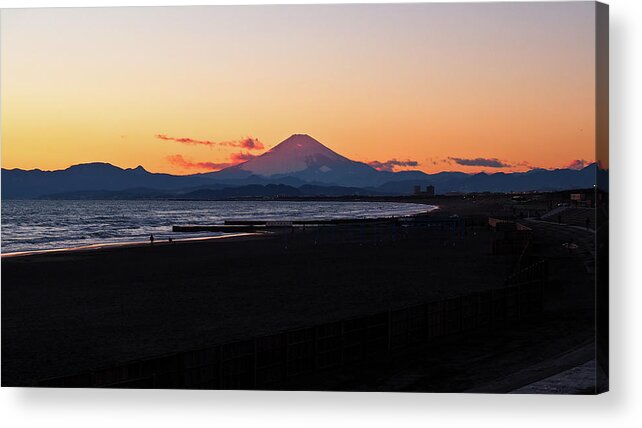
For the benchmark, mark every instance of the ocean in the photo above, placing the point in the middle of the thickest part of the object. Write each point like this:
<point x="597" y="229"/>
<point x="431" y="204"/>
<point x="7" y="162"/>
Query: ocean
<point x="29" y="225"/>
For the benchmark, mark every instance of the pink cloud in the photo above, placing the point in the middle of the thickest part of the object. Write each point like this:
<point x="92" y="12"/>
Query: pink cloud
<point x="181" y="162"/>
<point x="235" y="159"/>
<point x="577" y="164"/>
<point x="248" y="143"/>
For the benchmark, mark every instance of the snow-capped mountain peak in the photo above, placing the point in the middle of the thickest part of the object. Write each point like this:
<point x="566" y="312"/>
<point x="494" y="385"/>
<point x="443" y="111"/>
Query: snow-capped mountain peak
<point x="297" y="153"/>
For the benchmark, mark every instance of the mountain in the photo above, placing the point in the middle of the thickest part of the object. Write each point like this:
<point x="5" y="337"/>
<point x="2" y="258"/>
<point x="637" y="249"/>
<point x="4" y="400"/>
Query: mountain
<point x="216" y="191"/>
<point x="18" y="183"/>
<point x="536" y="179"/>
<point x="315" y="190"/>
<point x="447" y="181"/>
<point x="300" y="164"/>
<point x="302" y="157"/>
<point x="252" y="190"/>
<point x="127" y="194"/>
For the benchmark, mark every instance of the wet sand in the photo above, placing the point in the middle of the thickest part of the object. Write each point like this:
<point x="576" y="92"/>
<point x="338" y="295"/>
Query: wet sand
<point x="117" y="245"/>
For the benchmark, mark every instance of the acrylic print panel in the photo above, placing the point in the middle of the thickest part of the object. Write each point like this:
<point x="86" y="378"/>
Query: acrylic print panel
<point x="389" y="197"/>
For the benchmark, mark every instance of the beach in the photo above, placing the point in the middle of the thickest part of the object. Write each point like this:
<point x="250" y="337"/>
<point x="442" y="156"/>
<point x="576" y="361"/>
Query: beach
<point x="73" y="311"/>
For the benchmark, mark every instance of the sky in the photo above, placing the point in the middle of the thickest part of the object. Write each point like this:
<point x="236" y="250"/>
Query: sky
<point x="467" y="87"/>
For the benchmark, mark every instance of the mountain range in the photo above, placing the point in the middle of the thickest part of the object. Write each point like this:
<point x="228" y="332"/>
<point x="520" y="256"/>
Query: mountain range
<point x="298" y="166"/>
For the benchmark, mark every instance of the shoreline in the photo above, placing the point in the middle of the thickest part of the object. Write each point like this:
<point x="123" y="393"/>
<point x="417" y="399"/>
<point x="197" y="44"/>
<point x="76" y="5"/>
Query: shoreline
<point x="118" y="245"/>
<point x="126" y="304"/>
<point x="140" y="301"/>
<point x="145" y="243"/>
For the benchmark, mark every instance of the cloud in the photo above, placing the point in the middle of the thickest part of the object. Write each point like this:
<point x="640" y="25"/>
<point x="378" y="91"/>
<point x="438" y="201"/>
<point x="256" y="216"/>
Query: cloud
<point x="577" y="164"/>
<point x="526" y="164"/>
<point x="439" y="161"/>
<point x="235" y="159"/>
<point x="248" y="143"/>
<point x="186" y="140"/>
<point x="181" y="162"/>
<point x="391" y="164"/>
<point x="487" y="162"/>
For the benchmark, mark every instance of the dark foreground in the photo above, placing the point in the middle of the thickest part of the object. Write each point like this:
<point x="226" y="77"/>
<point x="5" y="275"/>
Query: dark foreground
<point x="65" y="314"/>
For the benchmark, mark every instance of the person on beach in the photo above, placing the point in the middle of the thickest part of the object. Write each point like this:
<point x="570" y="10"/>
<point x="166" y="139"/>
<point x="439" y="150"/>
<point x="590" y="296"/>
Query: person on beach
<point x="151" y="239"/>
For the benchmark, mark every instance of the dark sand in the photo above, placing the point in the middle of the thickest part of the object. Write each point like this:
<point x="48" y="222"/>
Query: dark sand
<point x="542" y="351"/>
<point x="67" y="312"/>
<point x="63" y="313"/>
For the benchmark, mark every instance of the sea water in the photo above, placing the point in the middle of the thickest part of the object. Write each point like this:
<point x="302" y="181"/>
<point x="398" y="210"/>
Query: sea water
<point x="42" y="224"/>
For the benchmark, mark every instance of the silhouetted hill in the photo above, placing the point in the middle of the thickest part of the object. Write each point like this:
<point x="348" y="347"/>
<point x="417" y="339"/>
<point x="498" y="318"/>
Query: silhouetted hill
<point x="127" y="194"/>
<point x="252" y="190"/>
<point x="18" y="183"/>
<point x="315" y="190"/>
<point x="215" y="192"/>
<point x="537" y="179"/>
<point x="300" y="162"/>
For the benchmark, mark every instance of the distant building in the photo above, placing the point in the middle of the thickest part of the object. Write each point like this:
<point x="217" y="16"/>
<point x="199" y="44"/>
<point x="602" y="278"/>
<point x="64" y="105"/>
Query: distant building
<point x="580" y="200"/>
<point x="430" y="191"/>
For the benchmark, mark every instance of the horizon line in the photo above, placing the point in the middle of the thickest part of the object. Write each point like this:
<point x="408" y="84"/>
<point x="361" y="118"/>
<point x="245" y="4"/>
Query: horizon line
<point x="589" y="164"/>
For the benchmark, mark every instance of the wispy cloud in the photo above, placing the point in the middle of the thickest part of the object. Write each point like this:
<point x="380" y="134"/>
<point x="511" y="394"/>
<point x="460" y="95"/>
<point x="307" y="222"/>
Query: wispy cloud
<point x="577" y="164"/>
<point x="237" y="158"/>
<point x="392" y="164"/>
<point x="183" y="163"/>
<point x="248" y="143"/>
<point x="526" y="164"/>
<point x="486" y="162"/>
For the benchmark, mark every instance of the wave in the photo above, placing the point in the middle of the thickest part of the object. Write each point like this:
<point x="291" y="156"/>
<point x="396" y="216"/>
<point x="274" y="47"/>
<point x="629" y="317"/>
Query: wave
<point x="40" y="225"/>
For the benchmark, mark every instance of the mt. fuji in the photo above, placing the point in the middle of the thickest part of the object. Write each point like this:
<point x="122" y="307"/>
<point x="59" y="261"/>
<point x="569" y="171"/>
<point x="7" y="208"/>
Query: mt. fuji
<point x="299" y="162"/>
<point x="302" y="157"/>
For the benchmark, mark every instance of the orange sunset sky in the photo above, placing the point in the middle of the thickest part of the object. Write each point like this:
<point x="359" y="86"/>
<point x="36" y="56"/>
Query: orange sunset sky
<point x="470" y="87"/>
